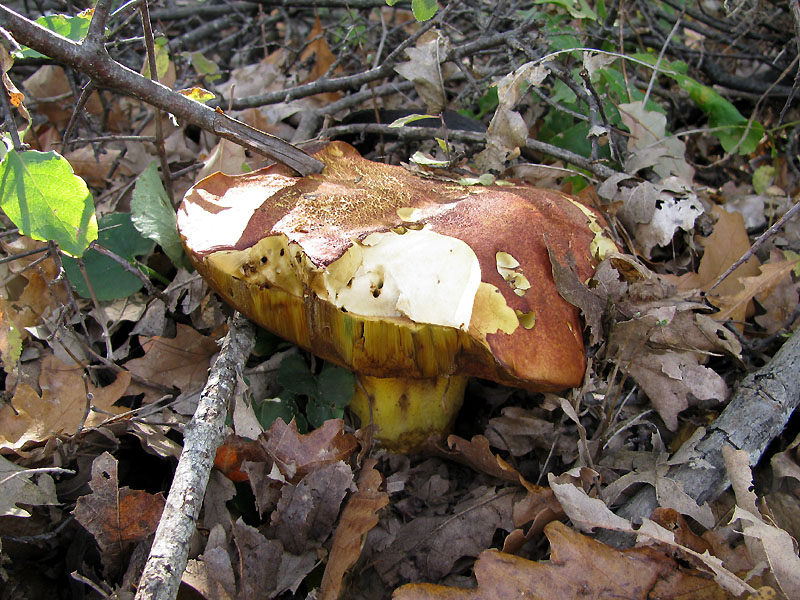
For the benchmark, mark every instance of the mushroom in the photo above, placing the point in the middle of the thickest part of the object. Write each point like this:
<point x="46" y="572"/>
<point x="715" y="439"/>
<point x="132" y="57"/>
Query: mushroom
<point x="414" y="284"/>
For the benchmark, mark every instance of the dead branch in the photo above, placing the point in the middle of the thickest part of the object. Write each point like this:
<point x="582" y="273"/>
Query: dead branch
<point x="203" y="435"/>
<point x="757" y="414"/>
<point x="90" y="57"/>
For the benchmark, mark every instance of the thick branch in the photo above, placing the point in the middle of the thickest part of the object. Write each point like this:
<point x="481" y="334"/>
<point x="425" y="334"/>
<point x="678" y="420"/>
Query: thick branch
<point x="756" y="415"/>
<point x="105" y="72"/>
<point x="203" y="435"/>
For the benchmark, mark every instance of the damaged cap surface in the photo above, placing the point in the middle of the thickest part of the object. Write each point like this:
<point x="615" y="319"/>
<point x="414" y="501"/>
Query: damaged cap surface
<point x="391" y="274"/>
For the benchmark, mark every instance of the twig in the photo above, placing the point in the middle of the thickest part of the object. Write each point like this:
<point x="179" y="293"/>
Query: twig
<point x="422" y="133"/>
<point x="757" y="244"/>
<point x="93" y="60"/>
<point x="149" y="43"/>
<point x="202" y="436"/>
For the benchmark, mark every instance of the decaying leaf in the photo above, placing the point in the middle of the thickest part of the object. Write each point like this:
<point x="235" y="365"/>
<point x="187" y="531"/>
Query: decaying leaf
<point x="116" y="517"/>
<point x="726" y="244"/>
<point x="297" y="455"/>
<point x="427" y="69"/>
<point x="66" y="397"/>
<point x="587" y="513"/>
<point x="429" y="546"/>
<point x="579" y="567"/>
<point x="650" y="146"/>
<point x="764" y="540"/>
<point x="181" y="362"/>
<point x="306" y="512"/>
<point x="358" y="518"/>
<point x="507" y="129"/>
<point x="20" y="486"/>
<point x="653" y="212"/>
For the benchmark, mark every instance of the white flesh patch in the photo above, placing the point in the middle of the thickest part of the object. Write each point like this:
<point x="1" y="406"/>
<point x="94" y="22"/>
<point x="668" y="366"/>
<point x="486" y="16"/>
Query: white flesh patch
<point x="423" y="275"/>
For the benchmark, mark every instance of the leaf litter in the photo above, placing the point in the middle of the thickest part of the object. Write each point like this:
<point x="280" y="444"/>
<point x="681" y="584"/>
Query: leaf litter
<point x="667" y="351"/>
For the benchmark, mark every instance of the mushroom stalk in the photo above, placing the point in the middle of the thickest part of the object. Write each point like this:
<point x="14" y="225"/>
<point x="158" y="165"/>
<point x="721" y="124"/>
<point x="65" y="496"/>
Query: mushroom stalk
<point x="406" y="412"/>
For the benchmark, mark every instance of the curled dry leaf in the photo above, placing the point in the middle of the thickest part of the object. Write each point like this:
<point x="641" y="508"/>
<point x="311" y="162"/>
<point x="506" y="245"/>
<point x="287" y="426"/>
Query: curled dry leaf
<point x="360" y="515"/>
<point x="61" y="407"/>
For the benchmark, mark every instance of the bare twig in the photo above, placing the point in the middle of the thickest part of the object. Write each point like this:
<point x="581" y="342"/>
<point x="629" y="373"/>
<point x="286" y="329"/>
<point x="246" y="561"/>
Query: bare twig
<point x="149" y="43"/>
<point x="203" y="435"/>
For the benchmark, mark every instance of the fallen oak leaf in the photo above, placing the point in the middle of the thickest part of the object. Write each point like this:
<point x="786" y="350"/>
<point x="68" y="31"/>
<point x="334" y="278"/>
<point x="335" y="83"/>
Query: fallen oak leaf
<point x="61" y="407"/>
<point x="760" y="285"/>
<point x="579" y="567"/>
<point x="180" y="362"/>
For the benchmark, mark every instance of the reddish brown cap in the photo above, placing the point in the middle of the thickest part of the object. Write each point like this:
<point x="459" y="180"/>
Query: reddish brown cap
<point x="395" y="275"/>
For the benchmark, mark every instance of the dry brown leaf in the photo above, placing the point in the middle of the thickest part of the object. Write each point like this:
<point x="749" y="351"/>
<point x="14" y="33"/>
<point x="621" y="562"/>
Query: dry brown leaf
<point x="764" y="541"/>
<point x="317" y="46"/>
<point x="761" y="285"/>
<point x="428" y="546"/>
<point x="61" y="407"/>
<point x="427" y="70"/>
<point x="296" y="455"/>
<point x="588" y="513"/>
<point x="306" y="512"/>
<point x="477" y="455"/>
<point x="116" y="517"/>
<point x="726" y="244"/>
<point x="520" y="430"/>
<point x="579" y="567"/>
<point x="233" y="452"/>
<point x="358" y="518"/>
<point x="181" y="361"/>
<point x="668" y="370"/>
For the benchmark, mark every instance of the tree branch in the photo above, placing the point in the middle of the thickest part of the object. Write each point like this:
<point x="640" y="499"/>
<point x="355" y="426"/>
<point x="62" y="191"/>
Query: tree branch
<point x="94" y="61"/>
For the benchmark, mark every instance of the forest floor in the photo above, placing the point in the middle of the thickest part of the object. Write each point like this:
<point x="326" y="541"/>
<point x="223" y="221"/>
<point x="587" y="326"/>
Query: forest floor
<point x="672" y="471"/>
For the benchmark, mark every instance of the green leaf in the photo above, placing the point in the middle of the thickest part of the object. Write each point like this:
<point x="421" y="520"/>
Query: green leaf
<point x="73" y="28"/>
<point x="319" y="413"/>
<point x="205" y="67"/>
<point x="270" y="409"/>
<point x="110" y="280"/>
<point x="423" y="9"/>
<point x="578" y="9"/>
<point x="336" y="386"/>
<point x="727" y="123"/>
<point x="44" y="198"/>
<point x="152" y="214"/>
<point x="422" y="159"/>
<point x="162" y="59"/>
<point x="763" y="177"/>
<point x="295" y="377"/>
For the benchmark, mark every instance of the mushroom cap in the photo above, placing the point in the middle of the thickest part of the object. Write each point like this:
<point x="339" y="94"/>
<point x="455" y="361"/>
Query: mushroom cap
<point x="395" y="275"/>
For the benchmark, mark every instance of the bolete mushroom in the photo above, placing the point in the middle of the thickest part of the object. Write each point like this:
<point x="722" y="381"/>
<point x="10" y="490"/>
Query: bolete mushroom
<point x="414" y="284"/>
